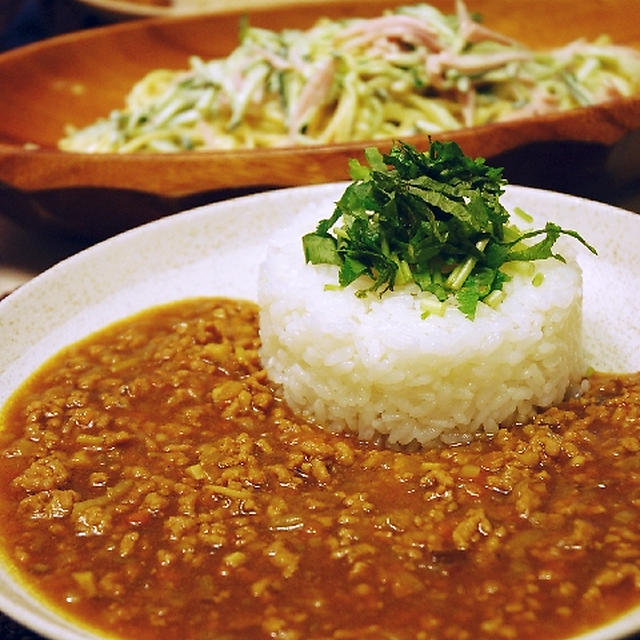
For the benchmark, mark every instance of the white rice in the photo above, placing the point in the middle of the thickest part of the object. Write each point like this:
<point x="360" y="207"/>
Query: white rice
<point x="374" y="366"/>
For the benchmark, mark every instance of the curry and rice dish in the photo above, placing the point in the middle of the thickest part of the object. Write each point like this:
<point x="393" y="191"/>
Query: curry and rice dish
<point x="155" y="485"/>
<point x="181" y="475"/>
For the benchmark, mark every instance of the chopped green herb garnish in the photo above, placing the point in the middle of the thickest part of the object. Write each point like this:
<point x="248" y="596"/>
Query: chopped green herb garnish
<point x="432" y="218"/>
<point x="522" y="214"/>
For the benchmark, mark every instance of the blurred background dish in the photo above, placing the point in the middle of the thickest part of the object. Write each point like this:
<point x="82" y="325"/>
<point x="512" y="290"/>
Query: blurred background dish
<point x="78" y="77"/>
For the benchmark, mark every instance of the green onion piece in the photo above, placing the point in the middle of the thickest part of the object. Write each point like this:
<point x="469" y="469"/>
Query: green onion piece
<point x="519" y="268"/>
<point x="430" y="305"/>
<point x="458" y="276"/>
<point x="494" y="298"/>
<point x="538" y="279"/>
<point x="521" y="213"/>
<point x="403" y="274"/>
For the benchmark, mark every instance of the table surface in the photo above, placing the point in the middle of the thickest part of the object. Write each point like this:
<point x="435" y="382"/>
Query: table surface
<point x="24" y="253"/>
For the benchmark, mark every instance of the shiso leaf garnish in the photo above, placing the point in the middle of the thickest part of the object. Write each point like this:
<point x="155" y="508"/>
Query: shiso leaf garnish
<point x="432" y="218"/>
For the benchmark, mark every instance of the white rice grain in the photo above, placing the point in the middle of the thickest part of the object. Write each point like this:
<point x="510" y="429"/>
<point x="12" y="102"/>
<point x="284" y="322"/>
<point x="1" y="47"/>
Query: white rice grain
<point x="374" y="366"/>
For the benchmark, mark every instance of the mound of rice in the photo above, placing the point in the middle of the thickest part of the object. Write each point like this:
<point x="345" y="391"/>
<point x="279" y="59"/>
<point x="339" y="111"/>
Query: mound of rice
<point x="374" y="366"/>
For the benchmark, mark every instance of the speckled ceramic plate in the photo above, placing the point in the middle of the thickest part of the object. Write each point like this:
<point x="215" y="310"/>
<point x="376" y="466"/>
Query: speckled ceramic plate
<point x="215" y="250"/>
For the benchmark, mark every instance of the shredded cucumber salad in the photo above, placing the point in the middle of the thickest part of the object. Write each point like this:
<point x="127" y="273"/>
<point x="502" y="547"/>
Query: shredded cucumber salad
<point x="413" y="70"/>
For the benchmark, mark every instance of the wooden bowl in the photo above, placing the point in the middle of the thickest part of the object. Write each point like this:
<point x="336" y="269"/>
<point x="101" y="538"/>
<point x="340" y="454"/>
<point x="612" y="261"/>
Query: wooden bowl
<point x="78" y="77"/>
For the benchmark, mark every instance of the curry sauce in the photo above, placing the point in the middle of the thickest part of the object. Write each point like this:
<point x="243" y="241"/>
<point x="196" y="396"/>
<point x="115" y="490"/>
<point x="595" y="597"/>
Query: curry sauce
<point x="154" y="485"/>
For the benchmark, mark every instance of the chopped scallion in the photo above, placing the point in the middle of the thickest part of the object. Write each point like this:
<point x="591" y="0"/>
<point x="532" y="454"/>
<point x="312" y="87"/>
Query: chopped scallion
<point x="434" y="219"/>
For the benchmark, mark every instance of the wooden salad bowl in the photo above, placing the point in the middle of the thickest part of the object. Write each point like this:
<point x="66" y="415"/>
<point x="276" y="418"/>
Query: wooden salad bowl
<point x="78" y="77"/>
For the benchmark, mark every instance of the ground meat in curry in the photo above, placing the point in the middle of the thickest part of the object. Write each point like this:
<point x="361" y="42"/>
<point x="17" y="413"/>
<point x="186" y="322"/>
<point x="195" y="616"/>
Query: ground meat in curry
<point x="153" y="484"/>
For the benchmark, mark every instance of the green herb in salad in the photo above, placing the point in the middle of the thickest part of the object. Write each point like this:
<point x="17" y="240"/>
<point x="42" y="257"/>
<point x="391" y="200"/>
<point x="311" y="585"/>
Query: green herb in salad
<point x="434" y="219"/>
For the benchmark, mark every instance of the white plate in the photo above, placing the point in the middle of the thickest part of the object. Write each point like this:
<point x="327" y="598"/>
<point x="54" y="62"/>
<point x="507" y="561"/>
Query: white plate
<point x="215" y="250"/>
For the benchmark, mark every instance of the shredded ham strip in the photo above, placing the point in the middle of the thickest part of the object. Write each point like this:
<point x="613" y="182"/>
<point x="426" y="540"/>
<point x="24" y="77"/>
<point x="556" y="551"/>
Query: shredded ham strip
<point x="470" y="63"/>
<point x="401" y="27"/>
<point x="472" y="31"/>
<point x="314" y="93"/>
